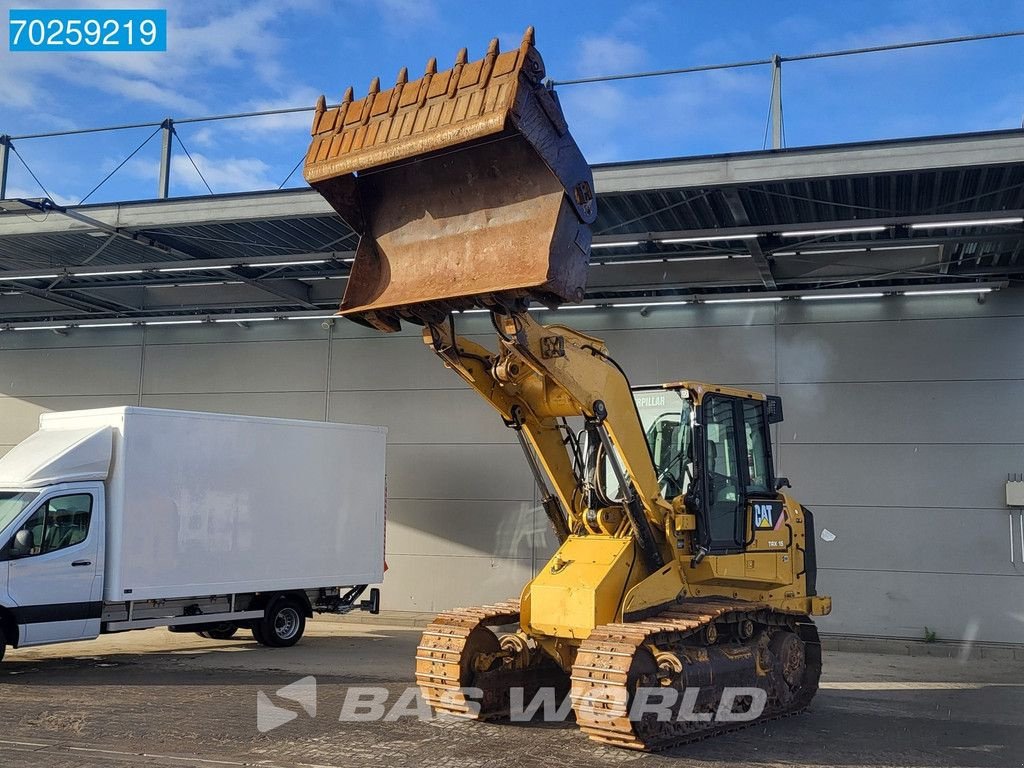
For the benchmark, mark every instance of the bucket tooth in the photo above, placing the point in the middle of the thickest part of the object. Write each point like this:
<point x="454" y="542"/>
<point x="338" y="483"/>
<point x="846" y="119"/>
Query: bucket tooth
<point x="465" y="188"/>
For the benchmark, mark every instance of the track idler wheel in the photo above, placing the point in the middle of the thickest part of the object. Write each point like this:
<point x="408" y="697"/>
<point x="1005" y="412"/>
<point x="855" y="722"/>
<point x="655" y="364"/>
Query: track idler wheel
<point x="789" y="664"/>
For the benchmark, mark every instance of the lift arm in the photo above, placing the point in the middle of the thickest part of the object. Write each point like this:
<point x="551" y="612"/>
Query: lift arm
<point x="543" y="375"/>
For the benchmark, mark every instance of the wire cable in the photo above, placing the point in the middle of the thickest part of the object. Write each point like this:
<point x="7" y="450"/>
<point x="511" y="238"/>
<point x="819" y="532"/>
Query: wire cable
<point x="797" y="57"/>
<point x="27" y="168"/>
<point x="185" y="149"/>
<point x="293" y="170"/>
<point x="119" y="166"/>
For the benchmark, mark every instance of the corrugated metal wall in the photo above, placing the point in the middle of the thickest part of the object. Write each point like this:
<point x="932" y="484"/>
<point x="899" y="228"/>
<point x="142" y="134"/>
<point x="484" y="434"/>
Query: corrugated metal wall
<point x="903" y="418"/>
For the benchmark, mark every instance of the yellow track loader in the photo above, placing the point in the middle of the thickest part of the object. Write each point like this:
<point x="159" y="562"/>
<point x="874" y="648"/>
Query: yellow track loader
<point x="683" y="566"/>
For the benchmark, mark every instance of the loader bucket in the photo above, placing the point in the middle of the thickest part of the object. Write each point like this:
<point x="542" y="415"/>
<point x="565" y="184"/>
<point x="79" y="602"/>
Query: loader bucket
<point x="465" y="187"/>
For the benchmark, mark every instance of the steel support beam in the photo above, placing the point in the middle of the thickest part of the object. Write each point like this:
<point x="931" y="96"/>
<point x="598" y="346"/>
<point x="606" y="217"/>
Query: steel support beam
<point x="773" y="166"/>
<point x="5" y="154"/>
<point x="167" y="136"/>
<point x="82" y="305"/>
<point x="776" y="102"/>
<point x="739" y="215"/>
<point x="293" y="291"/>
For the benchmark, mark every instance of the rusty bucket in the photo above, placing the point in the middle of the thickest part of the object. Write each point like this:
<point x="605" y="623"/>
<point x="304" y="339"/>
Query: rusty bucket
<point x="465" y="187"/>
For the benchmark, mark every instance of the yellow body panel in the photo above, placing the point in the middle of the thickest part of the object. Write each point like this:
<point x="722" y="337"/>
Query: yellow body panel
<point x="580" y="588"/>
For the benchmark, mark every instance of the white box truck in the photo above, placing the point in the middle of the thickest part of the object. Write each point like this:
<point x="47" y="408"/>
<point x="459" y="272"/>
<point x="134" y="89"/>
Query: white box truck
<point x="129" y="518"/>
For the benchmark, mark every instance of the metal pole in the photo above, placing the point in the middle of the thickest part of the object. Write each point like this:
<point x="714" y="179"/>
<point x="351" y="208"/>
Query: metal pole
<point x="776" y="101"/>
<point x="5" y="151"/>
<point x="164" y="184"/>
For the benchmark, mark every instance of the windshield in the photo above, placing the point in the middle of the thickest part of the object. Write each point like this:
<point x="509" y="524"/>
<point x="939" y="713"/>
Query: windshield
<point x="667" y="416"/>
<point x="12" y="504"/>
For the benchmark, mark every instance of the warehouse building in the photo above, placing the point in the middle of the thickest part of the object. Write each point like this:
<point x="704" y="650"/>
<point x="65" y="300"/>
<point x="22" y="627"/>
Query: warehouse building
<point x="870" y="285"/>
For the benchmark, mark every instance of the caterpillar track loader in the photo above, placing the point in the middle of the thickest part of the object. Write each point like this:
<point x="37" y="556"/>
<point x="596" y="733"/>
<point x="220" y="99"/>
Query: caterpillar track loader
<point x="681" y="563"/>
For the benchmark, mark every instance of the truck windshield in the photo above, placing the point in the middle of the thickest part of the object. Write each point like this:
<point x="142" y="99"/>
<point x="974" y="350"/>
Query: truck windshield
<point x="667" y="416"/>
<point x="12" y="503"/>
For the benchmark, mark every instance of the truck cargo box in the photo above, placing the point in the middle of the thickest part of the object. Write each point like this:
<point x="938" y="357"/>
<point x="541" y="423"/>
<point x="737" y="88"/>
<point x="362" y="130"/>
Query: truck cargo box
<point x="202" y="504"/>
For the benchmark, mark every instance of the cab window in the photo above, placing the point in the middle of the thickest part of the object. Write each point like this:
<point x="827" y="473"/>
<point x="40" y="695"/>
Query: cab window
<point x="60" y="522"/>
<point x="667" y="418"/>
<point x="758" y="451"/>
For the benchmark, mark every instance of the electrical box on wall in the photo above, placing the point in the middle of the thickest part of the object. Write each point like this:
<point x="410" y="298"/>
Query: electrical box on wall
<point x="1015" y="493"/>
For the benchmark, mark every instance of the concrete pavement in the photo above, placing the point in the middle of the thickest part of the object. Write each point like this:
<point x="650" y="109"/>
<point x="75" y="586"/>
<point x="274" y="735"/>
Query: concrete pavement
<point x="155" y="698"/>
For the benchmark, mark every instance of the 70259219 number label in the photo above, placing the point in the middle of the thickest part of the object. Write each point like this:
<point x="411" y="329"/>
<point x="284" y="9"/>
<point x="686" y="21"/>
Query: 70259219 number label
<point x="87" y="29"/>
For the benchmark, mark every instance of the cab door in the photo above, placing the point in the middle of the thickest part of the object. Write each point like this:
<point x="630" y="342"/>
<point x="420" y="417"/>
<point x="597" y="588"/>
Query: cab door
<point x="738" y="482"/>
<point x="54" y="562"/>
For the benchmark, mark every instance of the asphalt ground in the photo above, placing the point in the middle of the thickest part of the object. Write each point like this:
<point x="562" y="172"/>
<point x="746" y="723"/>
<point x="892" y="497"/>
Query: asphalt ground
<point x="160" y="699"/>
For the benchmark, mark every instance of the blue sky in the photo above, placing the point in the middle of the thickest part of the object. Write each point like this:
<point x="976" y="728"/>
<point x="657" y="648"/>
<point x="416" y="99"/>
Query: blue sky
<point x="228" y="56"/>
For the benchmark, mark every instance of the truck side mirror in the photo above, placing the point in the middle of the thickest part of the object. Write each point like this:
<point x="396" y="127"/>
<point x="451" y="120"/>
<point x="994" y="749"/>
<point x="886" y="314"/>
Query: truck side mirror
<point x="22" y="544"/>
<point x="782" y="482"/>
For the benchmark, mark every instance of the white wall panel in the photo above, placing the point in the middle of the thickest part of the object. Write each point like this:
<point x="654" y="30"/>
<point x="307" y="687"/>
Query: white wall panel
<point x="271" y="366"/>
<point x="431" y="416"/>
<point x="896" y="604"/>
<point x="435" y="583"/>
<point x="388" y="363"/>
<point x="61" y="370"/>
<point x="915" y="539"/>
<point x="961" y="349"/>
<point x="961" y="476"/>
<point x="501" y="529"/>
<point x="497" y="472"/>
<point x="949" y="412"/>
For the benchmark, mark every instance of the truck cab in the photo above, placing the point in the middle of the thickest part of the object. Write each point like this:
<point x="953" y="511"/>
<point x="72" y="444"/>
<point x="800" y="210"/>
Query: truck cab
<point x="51" y="563"/>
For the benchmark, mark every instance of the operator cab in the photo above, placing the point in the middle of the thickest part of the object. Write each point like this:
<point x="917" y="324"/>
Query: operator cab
<point x="712" y="446"/>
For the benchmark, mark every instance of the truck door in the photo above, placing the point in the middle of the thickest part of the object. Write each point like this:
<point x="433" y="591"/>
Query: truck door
<point x="54" y="561"/>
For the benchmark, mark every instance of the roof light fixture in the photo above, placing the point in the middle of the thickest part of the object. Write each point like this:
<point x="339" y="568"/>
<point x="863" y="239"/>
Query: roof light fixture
<point x="743" y="300"/>
<point x="287" y="263"/>
<point x="111" y="272"/>
<point x="653" y="304"/>
<point x="623" y="244"/>
<point x="833" y="296"/>
<point x="1008" y="220"/>
<point x="947" y="291"/>
<point x="836" y="231"/>
<point x="198" y="268"/>
<point x="706" y="239"/>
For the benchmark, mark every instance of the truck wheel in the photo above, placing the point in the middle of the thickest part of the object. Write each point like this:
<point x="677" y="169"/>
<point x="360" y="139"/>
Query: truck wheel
<point x="223" y="631"/>
<point x="283" y="624"/>
<point x="3" y="644"/>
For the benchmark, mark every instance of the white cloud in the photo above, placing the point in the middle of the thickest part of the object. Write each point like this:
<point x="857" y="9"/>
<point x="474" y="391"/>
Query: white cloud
<point x="608" y="54"/>
<point x="203" y="137"/>
<point x="224" y="174"/>
<point x="663" y="117"/>
<point x="296" y="123"/>
<point x="406" y="14"/>
<point x="201" y="39"/>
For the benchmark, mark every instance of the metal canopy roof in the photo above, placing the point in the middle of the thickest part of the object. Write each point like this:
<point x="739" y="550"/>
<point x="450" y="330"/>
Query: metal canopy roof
<point x="926" y="211"/>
